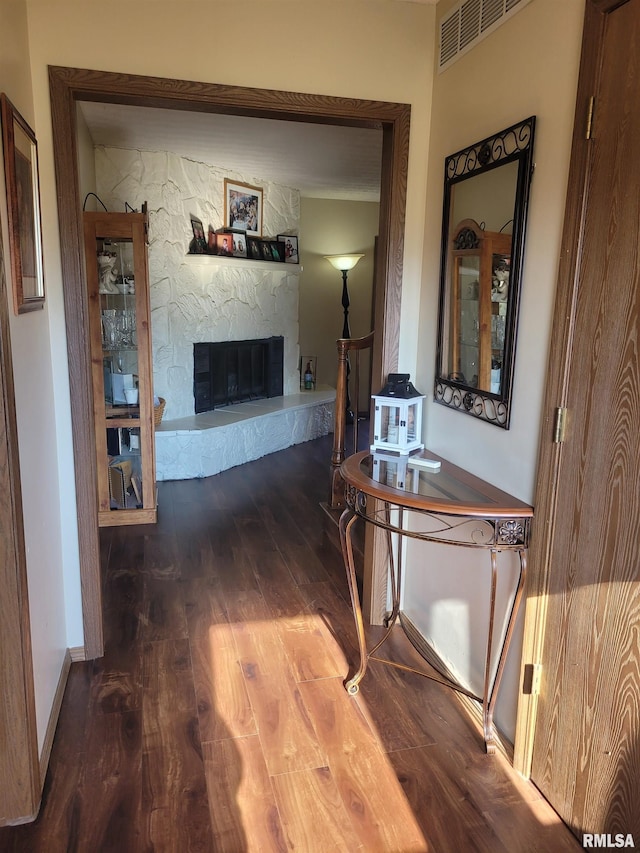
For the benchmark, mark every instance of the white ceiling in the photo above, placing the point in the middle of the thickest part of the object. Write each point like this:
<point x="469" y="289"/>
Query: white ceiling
<point x="322" y="161"/>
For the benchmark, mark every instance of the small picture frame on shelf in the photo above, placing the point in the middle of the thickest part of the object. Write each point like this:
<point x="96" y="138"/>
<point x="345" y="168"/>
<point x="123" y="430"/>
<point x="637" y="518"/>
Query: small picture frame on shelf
<point x="224" y="245"/>
<point x="253" y="249"/>
<point x="243" y="207"/>
<point x="265" y="249"/>
<point x="211" y="241"/>
<point x="239" y="246"/>
<point x="277" y="251"/>
<point x="290" y="244"/>
<point x="198" y="246"/>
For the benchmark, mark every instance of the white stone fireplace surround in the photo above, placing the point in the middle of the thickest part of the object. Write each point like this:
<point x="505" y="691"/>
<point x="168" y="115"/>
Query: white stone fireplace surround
<point x="199" y="298"/>
<point x="205" y="444"/>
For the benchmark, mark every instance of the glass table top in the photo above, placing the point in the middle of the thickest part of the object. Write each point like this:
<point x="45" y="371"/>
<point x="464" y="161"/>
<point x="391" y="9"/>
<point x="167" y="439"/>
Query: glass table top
<point x="450" y="489"/>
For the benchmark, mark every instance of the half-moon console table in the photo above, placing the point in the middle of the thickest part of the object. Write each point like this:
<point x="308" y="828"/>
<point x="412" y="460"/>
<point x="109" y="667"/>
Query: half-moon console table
<point x="451" y="506"/>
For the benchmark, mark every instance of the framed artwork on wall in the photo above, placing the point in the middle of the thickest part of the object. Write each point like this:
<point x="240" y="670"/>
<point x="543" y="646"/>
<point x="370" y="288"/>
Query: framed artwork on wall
<point x="243" y="207"/>
<point x="23" y="205"/>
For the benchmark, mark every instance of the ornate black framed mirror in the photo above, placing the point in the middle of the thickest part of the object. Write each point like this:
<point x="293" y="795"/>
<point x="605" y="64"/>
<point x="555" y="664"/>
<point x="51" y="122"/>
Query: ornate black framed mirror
<point x="486" y="194"/>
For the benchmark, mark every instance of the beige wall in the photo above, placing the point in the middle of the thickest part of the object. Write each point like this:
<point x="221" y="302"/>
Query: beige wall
<point x="330" y="227"/>
<point x="529" y="66"/>
<point x="35" y="411"/>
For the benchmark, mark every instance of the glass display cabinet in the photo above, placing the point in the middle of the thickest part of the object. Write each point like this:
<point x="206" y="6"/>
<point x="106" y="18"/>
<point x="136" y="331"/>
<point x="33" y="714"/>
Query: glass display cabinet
<point x="480" y="262"/>
<point x="122" y="377"/>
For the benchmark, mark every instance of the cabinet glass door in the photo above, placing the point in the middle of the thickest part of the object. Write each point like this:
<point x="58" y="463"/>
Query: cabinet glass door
<point x="118" y="321"/>
<point x="117" y="280"/>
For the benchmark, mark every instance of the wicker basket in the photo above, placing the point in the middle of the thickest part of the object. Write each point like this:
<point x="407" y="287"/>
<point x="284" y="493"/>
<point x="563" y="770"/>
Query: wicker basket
<point x="158" y="410"/>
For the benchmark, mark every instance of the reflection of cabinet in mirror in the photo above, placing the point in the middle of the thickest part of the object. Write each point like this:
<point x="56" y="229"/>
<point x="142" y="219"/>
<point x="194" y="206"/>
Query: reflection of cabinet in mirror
<point x="475" y="354"/>
<point x="120" y="340"/>
<point x="478" y="317"/>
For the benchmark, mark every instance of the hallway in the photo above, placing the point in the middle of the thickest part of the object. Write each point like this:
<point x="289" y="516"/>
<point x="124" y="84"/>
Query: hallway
<point x="217" y="719"/>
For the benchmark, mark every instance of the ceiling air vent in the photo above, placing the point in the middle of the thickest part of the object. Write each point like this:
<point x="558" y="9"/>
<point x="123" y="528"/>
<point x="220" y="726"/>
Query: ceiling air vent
<point x="469" y="22"/>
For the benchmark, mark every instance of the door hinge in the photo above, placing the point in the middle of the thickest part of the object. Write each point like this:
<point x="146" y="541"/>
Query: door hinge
<point x="532" y="679"/>
<point x="592" y="101"/>
<point x="559" y="425"/>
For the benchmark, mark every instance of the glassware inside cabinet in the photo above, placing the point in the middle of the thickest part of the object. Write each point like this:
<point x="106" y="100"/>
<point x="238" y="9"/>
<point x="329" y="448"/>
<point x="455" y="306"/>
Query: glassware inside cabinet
<point x="118" y="327"/>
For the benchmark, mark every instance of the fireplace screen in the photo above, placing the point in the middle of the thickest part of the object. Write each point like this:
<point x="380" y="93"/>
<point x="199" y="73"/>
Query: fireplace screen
<point x="234" y="371"/>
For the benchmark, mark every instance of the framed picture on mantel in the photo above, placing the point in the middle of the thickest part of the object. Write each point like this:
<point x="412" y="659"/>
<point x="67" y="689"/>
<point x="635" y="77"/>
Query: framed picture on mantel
<point x="290" y="248"/>
<point x="253" y="249"/>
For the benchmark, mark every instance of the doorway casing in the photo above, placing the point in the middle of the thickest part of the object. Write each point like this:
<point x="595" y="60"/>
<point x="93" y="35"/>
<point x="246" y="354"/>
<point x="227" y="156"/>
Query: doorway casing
<point x="70" y="85"/>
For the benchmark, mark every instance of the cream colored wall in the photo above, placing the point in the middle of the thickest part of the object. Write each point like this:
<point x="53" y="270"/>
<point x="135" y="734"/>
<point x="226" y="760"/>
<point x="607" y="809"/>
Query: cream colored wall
<point x="331" y="227"/>
<point x="529" y="66"/>
<point x="35" y="393"/>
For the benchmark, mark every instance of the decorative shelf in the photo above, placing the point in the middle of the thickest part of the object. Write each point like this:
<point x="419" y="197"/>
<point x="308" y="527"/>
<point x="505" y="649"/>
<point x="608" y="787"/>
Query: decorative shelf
<point x="222" y="260"/>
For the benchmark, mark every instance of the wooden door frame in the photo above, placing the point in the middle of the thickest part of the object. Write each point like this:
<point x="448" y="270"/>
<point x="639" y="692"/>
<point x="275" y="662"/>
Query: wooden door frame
<point x="69" y="85"/>
<point x="20" y="783"/>
<point x="562" y="335"/>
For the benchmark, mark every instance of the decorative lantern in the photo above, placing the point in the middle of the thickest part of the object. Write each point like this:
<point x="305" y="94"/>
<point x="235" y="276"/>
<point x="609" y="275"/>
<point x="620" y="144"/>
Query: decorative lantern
<point x="397" y="422"/>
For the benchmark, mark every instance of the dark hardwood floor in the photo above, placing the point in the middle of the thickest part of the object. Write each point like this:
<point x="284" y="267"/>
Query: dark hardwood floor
<point x="217" y="719"/>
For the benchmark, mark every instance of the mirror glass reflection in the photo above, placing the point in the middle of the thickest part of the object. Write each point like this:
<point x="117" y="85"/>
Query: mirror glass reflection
<point x="486" y="193"/>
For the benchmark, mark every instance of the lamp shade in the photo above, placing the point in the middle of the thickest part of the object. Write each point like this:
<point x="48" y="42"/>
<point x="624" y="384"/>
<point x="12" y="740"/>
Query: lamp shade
<point x="343" y="262"/>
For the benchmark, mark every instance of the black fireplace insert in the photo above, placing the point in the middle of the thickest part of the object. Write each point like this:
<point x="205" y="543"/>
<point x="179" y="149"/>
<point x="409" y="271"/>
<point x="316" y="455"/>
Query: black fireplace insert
<point x="235" y="371"/>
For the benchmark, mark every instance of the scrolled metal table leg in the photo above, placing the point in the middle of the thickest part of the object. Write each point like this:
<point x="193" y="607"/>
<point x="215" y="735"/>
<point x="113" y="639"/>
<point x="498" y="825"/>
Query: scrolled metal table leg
<point x="347" y="520"/>
<point x="487" y="722"/>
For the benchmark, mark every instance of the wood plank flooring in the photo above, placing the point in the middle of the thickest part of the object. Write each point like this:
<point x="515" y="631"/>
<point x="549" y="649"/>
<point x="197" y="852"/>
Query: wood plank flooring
<point x="217" y="719"/>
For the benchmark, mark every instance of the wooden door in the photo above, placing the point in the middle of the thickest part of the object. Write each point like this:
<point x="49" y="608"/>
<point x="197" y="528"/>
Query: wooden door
<point x="586" y="753"/>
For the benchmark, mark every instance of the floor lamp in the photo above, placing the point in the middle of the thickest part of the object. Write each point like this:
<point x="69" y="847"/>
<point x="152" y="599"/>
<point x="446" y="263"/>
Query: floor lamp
<point x="344" y="263"/>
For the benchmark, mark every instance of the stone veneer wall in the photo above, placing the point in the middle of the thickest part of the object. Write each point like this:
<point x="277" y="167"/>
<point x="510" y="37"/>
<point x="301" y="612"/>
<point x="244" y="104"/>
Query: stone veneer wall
<point x="202" y="298"/>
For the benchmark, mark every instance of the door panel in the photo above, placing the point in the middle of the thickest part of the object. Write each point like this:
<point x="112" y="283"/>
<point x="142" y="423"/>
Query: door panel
<point x="586" y="755"/>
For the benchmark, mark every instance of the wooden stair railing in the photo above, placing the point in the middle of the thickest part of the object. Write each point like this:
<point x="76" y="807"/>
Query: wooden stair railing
<point x="345" y="370"/>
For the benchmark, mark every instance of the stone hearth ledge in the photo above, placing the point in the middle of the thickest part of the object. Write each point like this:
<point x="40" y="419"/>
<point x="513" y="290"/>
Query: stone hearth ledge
<point x="205" y="444"/>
